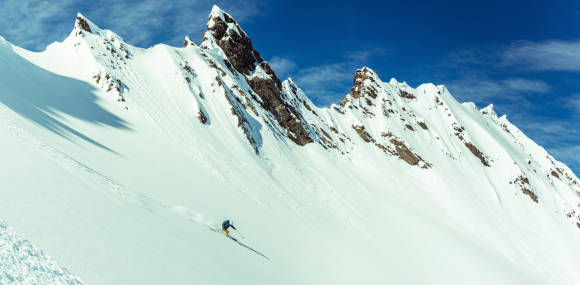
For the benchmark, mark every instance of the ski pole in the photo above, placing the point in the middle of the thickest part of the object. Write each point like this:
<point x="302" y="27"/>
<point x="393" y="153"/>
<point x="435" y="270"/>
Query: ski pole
<point x="240" y="233"/>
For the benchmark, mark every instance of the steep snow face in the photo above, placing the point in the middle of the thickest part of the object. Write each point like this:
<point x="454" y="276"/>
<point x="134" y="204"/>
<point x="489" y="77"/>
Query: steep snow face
<point x="121" y="163"/>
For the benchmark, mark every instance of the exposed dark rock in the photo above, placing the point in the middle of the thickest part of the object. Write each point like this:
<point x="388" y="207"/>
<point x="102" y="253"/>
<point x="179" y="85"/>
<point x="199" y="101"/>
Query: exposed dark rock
<point x="359" y="88"/>
<point x="343" y="102"/>
<point x="458" y="131"/>
<point x="477" y="153"/>
<point x="83" y="24"/>
<point x="222" y="72"/>
<point x="368" y="101"/>
<point x="367" y="112"/>
<point x="364" y="135"/>
<point x="202" y="117"/>
<point x="240" y="113"/>
<point x="251" y="106"/>
<point x="188" y="42"/>
<point x="293" y="87"/>
<point x="236" y="44"/>
<point x="525" y="187"/>
<point x="407" y="95"/>
<point x="382" y="147"/>
<point x="406" y="154"/>
<point x="286" y="115"/>
<point x="239" y="50"/>
<point x="505" y="128"/>
<point x="229" y="65"/>
<point x="474" y="150"/>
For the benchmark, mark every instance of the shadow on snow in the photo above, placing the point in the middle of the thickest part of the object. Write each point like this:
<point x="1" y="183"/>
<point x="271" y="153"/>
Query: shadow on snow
<point x="40" y="95"/>
<point x="242" y="244"/>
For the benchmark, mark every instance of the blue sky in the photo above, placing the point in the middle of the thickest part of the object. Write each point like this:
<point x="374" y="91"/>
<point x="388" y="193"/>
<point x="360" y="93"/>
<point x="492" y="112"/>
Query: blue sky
<point x="523" y="56"/>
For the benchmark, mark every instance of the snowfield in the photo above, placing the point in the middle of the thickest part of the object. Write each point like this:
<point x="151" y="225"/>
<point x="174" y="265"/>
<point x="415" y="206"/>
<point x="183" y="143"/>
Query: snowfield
<point x="120" y="163"/>
<point x="22" y="263"/>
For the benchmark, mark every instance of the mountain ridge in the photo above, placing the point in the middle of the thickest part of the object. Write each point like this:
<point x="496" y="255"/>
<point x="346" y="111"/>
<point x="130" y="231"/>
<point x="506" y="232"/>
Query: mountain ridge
<point x="173" y="138"/>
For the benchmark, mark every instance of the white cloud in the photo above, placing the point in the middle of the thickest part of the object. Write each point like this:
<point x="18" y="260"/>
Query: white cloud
<point x="29" y="23"/>
<point x="549" y="55"/>
<point x="363" y="56"/>
<point x="569" y="155"/>
<point x="558" y="135"/>
<point x="525" y="85"/>
<point x="36" y="23"/>
<point x="480" y="90"/>
<point x="326" y="84"/>
<point x="282" y="66"/>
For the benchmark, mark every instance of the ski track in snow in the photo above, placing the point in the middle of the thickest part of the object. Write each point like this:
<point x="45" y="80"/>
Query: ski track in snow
<point x="108" y="184"/>
<point x="22" y="263"/>
<point x="64" y="160"/>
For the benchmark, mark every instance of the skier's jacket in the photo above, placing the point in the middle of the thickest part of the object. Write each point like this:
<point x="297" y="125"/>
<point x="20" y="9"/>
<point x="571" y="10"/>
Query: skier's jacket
<point x="226" y="224"/>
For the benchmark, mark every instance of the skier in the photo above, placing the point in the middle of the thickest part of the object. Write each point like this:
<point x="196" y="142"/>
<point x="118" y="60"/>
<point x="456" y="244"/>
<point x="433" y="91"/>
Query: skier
<point x="226" y="225"/>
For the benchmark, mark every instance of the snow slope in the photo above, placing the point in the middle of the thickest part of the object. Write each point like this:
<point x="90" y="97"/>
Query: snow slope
<point x="121" y="162"/>
<point x="22" y="263"/>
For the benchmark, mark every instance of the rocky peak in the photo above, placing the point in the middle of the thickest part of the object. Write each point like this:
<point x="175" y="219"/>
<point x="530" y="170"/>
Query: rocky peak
<point x="291" y="85"/>
<point x="83" y="24"/>
<point x="224" y="32"/>
<point x="188" y="42"/>
<point x="366" y="83"/>
<point x="488" y="111"/>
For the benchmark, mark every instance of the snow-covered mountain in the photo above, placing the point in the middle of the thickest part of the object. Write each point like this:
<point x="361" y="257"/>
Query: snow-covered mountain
<point x="120" y="164"/>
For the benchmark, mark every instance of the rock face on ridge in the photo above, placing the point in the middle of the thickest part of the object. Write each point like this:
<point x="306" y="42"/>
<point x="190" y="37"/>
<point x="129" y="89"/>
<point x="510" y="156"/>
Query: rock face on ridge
<point x="224" y="32"/>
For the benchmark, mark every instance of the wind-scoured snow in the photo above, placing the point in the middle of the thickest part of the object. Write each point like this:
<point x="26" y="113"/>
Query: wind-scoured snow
<point x="121" y="163"/>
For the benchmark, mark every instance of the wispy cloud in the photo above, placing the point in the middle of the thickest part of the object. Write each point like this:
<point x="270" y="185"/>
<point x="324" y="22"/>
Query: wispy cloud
<point x="36" y="23"/>
<point x="362" y="56"/>
<point x="282" y="66"/>
<point x="485" y="90"/>
<point x="570" y="155"/>
<point x="550" y="121"/>
<point x="32" y="23"/>
<point x="548" y="55"/>
<point x="559" y="137"/>
<point x="326" y="83"/>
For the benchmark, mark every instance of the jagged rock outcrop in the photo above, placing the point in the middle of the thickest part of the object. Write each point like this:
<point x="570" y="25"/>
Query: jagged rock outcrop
<point x="225" y="33"/>
<point x="188" y="42"/>
<point x="524" y="184"/>
<point x="82" y="23"/>
<point x="359" y="88"/>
